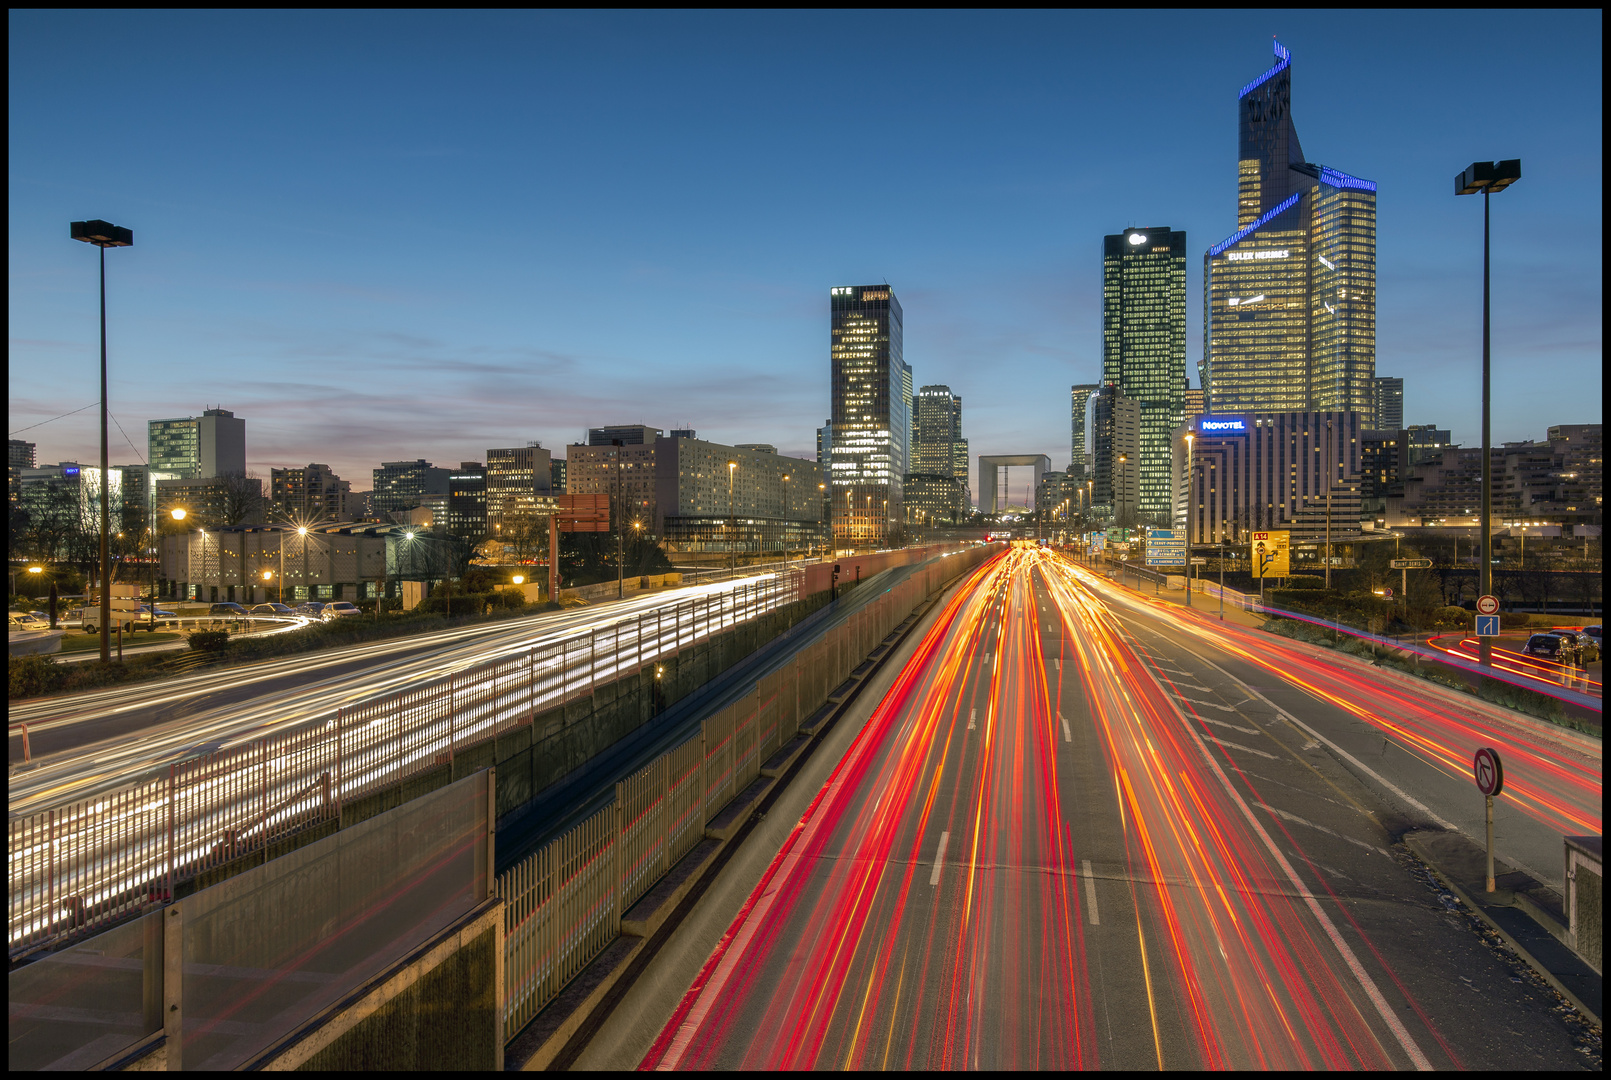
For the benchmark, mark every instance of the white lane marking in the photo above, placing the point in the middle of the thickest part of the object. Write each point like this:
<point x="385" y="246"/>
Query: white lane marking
<point x="1173" y="671"/>
<point x="1239" y="746"/>
<point x="1233" y="727"/>
<point x="973" y="714"/>
<point x="1057" y="662"/>
<point x="939" y="858"/>
<point x="1210" y="704"/>
<point x="1339" y="751"/>
<point x="1366" y="983"/>
<point x="1090" y="891"/>
<point x="1066" y="736"/>
<point x="987" y="658"/>
<point x="1322" y="828"/>
<point x="1194" y="686"/>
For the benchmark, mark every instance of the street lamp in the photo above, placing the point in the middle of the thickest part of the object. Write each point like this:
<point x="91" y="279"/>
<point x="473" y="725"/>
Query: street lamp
<point x="785" y="516"/>
<point x="732" y="555"/>
<point x="1487" y="177"/>
<point x="104" y="234"/>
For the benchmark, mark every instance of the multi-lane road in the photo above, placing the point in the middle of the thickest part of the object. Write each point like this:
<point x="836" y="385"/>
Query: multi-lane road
<point x="1085" y="829"/>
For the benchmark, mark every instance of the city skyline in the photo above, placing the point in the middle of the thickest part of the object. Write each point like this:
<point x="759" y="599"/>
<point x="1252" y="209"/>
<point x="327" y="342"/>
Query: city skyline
<point x="317" y="254"/>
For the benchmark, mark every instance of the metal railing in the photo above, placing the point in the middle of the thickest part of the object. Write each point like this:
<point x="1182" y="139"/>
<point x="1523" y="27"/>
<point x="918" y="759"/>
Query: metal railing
<point x="75" y="868"/>
<point x="557" y="918"/>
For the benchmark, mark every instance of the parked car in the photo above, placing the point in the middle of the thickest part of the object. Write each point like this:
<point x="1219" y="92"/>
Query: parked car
<point x="1548" y="646"/>
<point x="1588" y="650"/>
<point x="146" y="622"/>
<point x="310" y="608"/>
<point x="277" y="611"/>
<point x="1594" y="632"/>
<point x="339" y="609"/>
<point x="28" y="620"/>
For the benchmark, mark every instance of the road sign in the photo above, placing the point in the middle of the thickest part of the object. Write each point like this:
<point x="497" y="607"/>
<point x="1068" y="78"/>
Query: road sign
<point x="1199" y="560"/>
<point x="1271" y="553"/>
<point x="1387" y="594"/>
<point x="1487" y="625"/>
<point x="588" y="512"/>
<point x="1487" y="605"/>
<point x="1166" y="547"/>
<point x="1410" y="564"/>
<point x="1489" y="773"/>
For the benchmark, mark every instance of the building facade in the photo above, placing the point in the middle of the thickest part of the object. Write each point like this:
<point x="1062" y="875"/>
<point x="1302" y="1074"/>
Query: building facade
<point x="938" y="449"/>
<point x="1079" y="448"/>
<point x="197" y="447"/>
<point x="624" y="473"/>
<point x="1144" y="344"/>
<point x="999" y="492"/>
<point x="1289" y="299"/>
<point x="403" y="485"/>
<point x="1117" y="421"/>
<point x="213" y="501"/>
<point x="871" y="388"/>
<point x="1389" y="403"/>
<point x="519" y="479"/>
<point x="1295" y="471"/>
<point x="934" y="499"/>
<point x="467" y="502"/>
<point x="1556" y="481"/>
<point x="314" y="493"/>
<point x="1426" y="441"/>
<point x="711" y="497"/>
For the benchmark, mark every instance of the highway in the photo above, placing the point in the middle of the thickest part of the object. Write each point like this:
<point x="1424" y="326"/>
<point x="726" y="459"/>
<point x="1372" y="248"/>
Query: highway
<point x="83" y="743"/>
<point x="1086" y="829"/>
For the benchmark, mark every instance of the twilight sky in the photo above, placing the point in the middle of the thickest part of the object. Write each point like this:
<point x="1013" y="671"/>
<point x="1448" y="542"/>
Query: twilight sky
<point x="380" y="236"/>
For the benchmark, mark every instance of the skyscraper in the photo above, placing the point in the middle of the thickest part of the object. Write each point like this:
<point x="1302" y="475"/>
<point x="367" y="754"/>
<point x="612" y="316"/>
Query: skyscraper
<point x="871" y="412"/>
<point x="1290" y="297"/>
<point x="517" y="479"/>
<point x="198" y="447"/>
<point x="939" y="452"/>
<point x="1144" y="345"/>
<point x="1078" y="448"/>
<point x="1118" y="455"/>
<point x="1389" y="412"/>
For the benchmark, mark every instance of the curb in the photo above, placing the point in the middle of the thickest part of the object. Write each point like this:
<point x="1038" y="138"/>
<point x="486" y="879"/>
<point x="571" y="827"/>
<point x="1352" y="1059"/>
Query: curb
<point x="1514" y="915"/>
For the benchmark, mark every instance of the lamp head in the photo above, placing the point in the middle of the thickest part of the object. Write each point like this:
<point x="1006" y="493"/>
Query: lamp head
<point x="178" y="513"/>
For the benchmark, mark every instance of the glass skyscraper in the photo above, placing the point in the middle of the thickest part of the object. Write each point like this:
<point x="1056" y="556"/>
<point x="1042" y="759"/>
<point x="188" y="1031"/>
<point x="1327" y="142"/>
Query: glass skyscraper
<point x="872" y="423"/>
<point x="1080" y="397"/>
<point x="1144" y="345"/>
<point x="1290" y="298"/>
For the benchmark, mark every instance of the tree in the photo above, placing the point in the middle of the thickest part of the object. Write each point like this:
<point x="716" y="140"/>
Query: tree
<point x="239" y="499"/>
<point x="525" y="533"/>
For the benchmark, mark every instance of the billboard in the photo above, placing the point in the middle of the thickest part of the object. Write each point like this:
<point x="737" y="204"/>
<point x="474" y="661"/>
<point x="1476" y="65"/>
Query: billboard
<point x="1271" y="554"/>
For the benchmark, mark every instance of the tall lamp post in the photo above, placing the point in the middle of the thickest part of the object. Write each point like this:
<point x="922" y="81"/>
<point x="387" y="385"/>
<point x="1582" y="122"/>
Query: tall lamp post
<point x="786" y="510"/>
<point x="1487" y="177"/>
<point x="104" y="234"/>
<point x="732" y="525"/>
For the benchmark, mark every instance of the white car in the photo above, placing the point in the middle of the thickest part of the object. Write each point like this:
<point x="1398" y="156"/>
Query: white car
<point x="339" y="609"/>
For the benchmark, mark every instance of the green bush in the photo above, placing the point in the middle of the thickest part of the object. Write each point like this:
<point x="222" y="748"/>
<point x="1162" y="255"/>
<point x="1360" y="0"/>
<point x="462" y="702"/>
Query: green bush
<point x="34" y="675"/>
<point x="1304" y="583"/>
<point x="511" y="599"/>
<point x="1513" y="620"/>
<point x="209" y="640"/>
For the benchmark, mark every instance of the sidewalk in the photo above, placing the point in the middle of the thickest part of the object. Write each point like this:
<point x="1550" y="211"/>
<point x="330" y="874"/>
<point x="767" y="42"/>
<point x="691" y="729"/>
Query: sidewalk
<point x="1524" y="913"/>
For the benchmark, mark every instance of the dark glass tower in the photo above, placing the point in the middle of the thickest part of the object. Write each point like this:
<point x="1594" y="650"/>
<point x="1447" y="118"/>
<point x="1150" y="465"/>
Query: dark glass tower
<point x="1144" y="345"/>
<point x="1290" y="297"/>
<point x="871" y="420"/>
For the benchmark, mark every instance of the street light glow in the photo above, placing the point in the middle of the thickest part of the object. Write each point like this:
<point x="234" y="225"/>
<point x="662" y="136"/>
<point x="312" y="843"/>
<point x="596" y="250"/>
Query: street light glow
<point x="178" y="513"/>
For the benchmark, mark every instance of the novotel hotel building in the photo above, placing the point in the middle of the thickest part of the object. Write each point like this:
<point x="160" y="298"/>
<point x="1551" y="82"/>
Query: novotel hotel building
<point x="1240" y="472"/>
<point x="1289" y="299"/>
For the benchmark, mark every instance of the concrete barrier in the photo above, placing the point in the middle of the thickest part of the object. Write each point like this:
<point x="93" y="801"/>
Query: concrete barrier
<point x="1585" y="892"/>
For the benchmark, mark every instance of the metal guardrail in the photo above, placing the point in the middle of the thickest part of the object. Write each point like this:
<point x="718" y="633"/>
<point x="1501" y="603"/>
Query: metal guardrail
<point x="563" y="904"/>
<point x="80" y="866"/>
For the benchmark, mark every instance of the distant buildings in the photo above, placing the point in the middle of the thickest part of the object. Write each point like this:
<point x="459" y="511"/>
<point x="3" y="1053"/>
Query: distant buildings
<point x="213" y="501"/>
<point x="1118" y="455"/>
<point x="467" y="502"/>
<point x="1290" y="297"/>
<point x="21" y="456"/>
<point x="1079" y="450"/>
<point x="1144" y="346"/>
<point x="1389" y="403"/>
<point x="313" y="493"/>
<point x="1426" y="441"/>
<point x="871" y="393"/>
<point x="1194" y="403"/>
<point x="403" y="485"/>
<point x="1557" y="481"/>
<point x="197" y="447"/>
<point x="520" y="482"/>
<point x="939" y="454"/>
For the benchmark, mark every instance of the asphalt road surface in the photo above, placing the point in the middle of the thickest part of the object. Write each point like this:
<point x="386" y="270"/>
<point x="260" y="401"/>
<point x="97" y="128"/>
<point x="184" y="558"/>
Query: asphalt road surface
<point x="1086" y="830"/>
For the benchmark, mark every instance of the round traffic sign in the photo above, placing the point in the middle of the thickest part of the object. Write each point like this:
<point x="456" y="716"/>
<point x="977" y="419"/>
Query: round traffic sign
<point x="1490" y="774"/>
<point x="1387" y="593"/>
<point x="1487" y="605"/>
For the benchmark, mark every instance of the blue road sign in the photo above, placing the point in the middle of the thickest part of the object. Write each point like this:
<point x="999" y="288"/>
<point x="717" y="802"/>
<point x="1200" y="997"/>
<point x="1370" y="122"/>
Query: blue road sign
<point x="1166" y="547"/>
<point x="1487" y="625"/>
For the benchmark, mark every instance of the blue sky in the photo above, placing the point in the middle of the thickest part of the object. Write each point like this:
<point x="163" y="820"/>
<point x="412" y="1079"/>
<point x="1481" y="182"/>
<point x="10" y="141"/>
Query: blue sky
<point x="422" y="234"/>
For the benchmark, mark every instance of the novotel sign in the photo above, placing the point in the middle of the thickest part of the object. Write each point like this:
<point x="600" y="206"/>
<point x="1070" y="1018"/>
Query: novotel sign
<point x="1221" y="425"/>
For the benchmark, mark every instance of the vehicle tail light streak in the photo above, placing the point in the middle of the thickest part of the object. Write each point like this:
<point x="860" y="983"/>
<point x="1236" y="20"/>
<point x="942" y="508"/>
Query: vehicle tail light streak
<point x="1551" y="673"/>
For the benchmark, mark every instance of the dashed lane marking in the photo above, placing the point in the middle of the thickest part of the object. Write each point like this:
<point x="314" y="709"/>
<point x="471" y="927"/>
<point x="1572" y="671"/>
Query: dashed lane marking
<point x="939" y="858"/>
<point x="1239" y="746"/>
<point x="1090" y="891"/>
<point x="1233" y="727"/>
<point x="1210" y="704"/>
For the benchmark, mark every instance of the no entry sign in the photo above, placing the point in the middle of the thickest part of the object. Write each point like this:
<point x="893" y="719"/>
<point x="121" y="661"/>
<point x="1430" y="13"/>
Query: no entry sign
<point x="1489" y="773"/>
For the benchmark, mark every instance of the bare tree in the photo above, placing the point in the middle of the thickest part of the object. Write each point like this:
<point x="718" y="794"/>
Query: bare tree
<point x="239" y="500"/>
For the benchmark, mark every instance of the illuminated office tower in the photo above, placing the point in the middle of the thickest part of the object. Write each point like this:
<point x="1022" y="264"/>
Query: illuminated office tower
<point x="939" y="452"/>
<point x="1144" y="346"/>
<point x="1078" y="448"/>
<point x="1389" y="410"/>
<point x="871" y="420"/>
<point x="1290" y="297"/>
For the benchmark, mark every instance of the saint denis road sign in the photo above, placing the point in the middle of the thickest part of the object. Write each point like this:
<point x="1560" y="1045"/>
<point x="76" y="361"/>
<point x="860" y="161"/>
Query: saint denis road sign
<point x="1487" y="605"/>
<point x="1490" y="774"/>
<point x="1487" y="625"/>
<point x="1410" y="564"/>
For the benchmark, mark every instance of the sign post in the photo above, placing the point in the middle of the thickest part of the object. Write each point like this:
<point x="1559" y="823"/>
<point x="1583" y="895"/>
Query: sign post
<point x="1490" y="777"/>
<point x="577" y="513"/>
